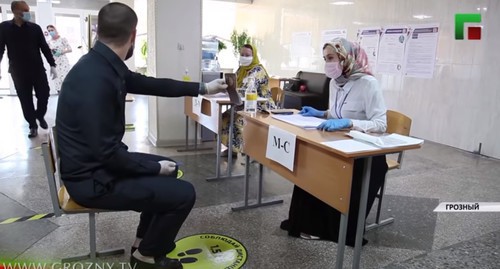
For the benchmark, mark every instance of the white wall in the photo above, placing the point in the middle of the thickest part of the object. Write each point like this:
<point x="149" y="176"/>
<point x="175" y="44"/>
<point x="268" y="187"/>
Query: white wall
<point x="457" y="107"/>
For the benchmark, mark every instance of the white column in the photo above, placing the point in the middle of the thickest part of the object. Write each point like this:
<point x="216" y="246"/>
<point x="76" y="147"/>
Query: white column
<point x="44" y="17"/>
<point x="174" y="44"/>
<point x="130" y="62"/>
<point x="44" y="13"/>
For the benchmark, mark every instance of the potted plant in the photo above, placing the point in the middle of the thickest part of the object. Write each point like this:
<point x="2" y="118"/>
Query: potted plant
<point x="238" y="40"/>
<point x="222" y="45"/>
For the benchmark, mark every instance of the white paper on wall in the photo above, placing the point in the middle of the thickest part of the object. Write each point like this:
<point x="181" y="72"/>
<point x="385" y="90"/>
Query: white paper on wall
<point x="369" y="39"/>
<point x="301" y="44"/>
<point x="329" y="35"/>
<point x="420" y="56"/>
<point x="392" y="50"/>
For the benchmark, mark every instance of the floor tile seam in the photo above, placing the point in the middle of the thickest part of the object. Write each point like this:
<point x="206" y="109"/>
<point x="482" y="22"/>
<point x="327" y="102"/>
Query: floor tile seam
<point x="34" y="243"/>
<point x="464" y="241"/>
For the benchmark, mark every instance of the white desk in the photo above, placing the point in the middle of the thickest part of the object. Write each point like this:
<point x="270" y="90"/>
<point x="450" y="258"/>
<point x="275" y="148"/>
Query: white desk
<point x="207" y="110"/>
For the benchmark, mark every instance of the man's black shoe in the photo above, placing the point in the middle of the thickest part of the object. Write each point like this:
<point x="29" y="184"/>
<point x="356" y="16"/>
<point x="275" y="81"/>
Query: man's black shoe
<point x="33" y="132"/>
<point x="43" y="123"/>
<point x="160" y="263"/>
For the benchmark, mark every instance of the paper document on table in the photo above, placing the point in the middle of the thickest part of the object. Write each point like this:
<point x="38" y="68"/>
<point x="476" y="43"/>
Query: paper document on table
<point x="349" y="145"/>
<point x="217" y="95"/>
<point x="386" y="141"/>
<point x="299" y="120"/>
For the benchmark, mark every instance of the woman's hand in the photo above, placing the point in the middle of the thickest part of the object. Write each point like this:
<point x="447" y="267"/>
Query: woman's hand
<point x="335" y="124"/>
<point x="311" y="112"/>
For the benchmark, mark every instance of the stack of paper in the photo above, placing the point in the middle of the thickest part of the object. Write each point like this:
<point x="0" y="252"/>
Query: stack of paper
<point x="386" y="141"/>
<point x="299" y="120"/>
<point x="366" y="142"/>
<point x="349" y="145"/>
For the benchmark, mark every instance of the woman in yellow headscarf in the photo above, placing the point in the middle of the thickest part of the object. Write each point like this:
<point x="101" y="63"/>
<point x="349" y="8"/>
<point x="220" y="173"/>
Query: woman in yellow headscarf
<point x="249" y="67"/>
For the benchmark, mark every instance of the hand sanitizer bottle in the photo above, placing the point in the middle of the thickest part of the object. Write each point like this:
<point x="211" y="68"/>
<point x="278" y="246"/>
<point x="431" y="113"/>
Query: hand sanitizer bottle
<point x="251" y="97"/>
<point x="186" y="76"/>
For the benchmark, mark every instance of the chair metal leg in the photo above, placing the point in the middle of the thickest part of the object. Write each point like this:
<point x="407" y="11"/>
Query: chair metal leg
<point x="378" y="222"/>
<point x="92" y="236"/>
<point x="93" y="246"/>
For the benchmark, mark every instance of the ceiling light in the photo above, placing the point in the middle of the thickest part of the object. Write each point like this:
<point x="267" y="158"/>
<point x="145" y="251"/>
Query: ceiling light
<point x="342" y="3"/>
<point x="56" y="1"/>
<point x="422" y="17"/>
<point x="357" y="23"/>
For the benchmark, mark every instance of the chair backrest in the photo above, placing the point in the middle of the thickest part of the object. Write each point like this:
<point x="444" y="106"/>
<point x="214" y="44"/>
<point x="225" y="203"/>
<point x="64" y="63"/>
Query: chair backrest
<point x="317" y="83"/>
<point x="277" y="95"/>
<point x="398" y="123"/>
<point x="50" y="158"/>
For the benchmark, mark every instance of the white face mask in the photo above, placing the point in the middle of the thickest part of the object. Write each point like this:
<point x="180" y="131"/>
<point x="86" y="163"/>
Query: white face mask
<point x="246" y="60"/>
<point x="333" y="70"/>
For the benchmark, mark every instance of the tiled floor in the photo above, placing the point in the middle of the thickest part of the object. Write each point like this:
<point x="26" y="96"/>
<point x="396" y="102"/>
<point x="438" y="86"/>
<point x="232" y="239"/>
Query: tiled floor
<point x="419" y="238"/>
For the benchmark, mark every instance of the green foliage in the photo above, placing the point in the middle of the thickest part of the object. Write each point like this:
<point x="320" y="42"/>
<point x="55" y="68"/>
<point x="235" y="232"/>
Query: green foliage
<point x="144" y="50"/>
<point x="222" y="46"/>
<point x="239" y="40"/>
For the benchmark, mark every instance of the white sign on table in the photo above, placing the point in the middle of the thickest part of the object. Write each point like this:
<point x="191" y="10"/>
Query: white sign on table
<point x="197" y="105"/>
<point x="281" y="147"/>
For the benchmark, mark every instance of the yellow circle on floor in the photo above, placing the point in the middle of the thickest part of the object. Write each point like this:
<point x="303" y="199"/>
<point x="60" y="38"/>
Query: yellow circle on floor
<point x="209" y="251"/>
<point x="179" y="173"/>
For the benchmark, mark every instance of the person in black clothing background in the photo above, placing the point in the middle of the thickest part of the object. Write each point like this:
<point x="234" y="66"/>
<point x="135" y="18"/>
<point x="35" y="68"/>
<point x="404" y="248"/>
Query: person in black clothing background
<point x="24" y="40"/>
<point x="96" y="167"/>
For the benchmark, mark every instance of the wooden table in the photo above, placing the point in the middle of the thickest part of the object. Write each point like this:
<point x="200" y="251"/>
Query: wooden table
<point x="320" y="170"/>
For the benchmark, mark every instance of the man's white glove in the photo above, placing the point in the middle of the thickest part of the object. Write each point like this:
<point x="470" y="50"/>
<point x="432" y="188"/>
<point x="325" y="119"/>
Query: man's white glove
<point x="215" y="86"/>
<point x="167" y="167"/>
<point x="53" y="72"/>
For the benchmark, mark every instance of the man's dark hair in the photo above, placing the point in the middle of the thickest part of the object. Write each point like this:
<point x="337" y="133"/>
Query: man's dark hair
<point x="115" y="23"/>
<point x="14" y="4"/>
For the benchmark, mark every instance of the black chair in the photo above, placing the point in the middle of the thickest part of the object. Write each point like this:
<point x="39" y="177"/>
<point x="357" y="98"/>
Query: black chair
<point x="315" y="95"/>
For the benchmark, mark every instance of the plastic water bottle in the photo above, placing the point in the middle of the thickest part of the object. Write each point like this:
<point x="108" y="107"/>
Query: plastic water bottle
<point x="251" y="97"/>
<point x="186" y="76"/>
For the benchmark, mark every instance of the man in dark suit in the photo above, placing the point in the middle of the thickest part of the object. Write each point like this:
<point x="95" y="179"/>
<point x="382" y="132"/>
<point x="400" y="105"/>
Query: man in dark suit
<point x="96" y="167"/>
<point x="24" y="40"/>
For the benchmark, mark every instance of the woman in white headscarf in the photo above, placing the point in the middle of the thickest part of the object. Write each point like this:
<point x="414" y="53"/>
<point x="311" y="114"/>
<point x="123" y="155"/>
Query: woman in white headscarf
<point x="356" y="102"/>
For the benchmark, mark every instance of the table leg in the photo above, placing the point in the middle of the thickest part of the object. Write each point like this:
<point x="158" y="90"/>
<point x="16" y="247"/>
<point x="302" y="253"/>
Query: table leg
<point x="259" y="194"/>
<point x="230" y="149"/>
<point x="365" y="184"/>
<point x="230" y="142"/>
<point x="341" y="243"/>
<point x="187" y="148"/>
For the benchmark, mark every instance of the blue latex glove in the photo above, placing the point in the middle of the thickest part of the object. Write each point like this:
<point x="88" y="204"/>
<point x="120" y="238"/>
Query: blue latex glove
<point x="335" y="124"/>
<point x="311" y="112"/>
<point x="57" y="53"/>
